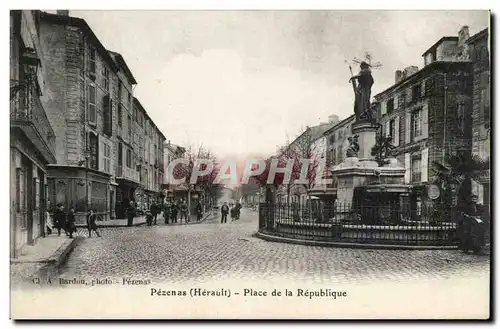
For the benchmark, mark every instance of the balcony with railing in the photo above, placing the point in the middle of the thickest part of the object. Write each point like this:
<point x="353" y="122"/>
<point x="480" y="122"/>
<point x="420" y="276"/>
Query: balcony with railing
<point x="28" y="115"/>
<point x="130" y="174"/>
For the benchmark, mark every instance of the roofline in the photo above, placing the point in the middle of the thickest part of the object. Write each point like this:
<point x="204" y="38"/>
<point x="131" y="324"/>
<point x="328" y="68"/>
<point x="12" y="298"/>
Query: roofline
<point x="449" y="38"/>
<point x="123" y="64"/>
<point x="137" y="102"/>
<point x="420" y="72"/>
<point x="82" y="24"/>
<point x="478" y="35"/>
<point x="338" y="124"/>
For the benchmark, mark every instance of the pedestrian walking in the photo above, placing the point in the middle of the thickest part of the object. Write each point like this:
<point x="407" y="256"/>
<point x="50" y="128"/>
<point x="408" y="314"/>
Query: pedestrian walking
<point x="238" y="209"/>
<point x="70" y="223"/>
<point x="184" y="211"/>
<point x="199" y="211"/>
<point x="234" y="211"/>
<point x="224" y="210"/>
<point x="91" y="223"/>
<point x="154" y="211"/>
<point x="130" y="214"/>
<point x="60" y="219"/>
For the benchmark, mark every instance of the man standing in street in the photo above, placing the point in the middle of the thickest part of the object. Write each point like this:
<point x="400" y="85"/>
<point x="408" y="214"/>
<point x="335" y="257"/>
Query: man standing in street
<point x="154" y="211"/>
<point x="166" y="211"/>
<point x="199" y="211"/>
<point x="60" y="219"/>
<point x="130" y="214"/>
<point x="184" y="211"/>
<point x="224" y="211"/>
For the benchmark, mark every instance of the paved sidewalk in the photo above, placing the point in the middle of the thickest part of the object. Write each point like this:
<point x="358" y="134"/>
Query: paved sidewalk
<point x="46" y="255"/>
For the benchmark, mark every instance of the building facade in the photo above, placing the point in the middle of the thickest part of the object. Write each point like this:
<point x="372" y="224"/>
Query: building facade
<point x="427" y="112"/>
<point x="481" y="106"/>
<point x="148" y="143"/>
<point x="170" y="153"/>
<point x="32" y="138"/>
<point x="91" y="107"/>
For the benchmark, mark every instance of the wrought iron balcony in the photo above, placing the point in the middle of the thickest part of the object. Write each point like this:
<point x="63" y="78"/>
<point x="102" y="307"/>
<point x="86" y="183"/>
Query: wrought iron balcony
<point x="28" y="115"/>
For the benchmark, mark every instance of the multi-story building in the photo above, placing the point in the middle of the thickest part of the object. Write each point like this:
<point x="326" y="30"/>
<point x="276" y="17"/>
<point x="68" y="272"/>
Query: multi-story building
<point x="32" y="139"/>
<point x="427" y="111"/>
<point x="170" y="153"/>
<point x="148" y="144"/>
<point x="481" y="107"/>
<point x="310" y="144"/>
<point x="80" y="77"/>
<point x="90" y="104"/>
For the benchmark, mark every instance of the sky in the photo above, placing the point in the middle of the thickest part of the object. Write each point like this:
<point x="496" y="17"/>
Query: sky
<point x="243" y="82"/>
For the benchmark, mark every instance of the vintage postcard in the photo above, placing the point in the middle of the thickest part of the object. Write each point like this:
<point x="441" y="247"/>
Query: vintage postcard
<point x="250" y="164"/>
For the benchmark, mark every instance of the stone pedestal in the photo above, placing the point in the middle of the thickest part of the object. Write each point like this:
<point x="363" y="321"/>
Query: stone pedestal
<point x="364" y="170"/>
<point x="367" y="136"/>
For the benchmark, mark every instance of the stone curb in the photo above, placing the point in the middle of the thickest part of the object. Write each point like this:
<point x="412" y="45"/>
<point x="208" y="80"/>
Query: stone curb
<point x="273" y="238"/>
<point x="54" y="262"/>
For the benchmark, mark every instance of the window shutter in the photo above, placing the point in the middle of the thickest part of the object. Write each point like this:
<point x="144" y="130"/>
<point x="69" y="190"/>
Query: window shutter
<point x="387" y="128"/>
<point x="396" y="132"/>
<point x="382" y="108"/>
<point x="425" y="125"/>
<point x="424" y="165"/>
<point x="409" y="95"/>
<point x="396" y="101"/>
<point x="407" y="168"/>
<point x="423" y="89"/>
<point x="408" y="128"/>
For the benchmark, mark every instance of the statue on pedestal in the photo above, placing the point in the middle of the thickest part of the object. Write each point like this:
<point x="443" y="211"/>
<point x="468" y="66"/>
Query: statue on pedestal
<point x="353" y="149"/>
<point x="362" y="90"/>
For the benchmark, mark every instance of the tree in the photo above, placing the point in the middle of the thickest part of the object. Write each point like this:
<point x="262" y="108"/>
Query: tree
<point x="303" y="147"/>
<point x="205" y="184"/>
<point x="460" y="169"/>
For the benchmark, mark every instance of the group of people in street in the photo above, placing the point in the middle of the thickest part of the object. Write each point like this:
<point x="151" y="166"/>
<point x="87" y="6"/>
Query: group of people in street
<point x="173" y="212"/>
<point x="65" y="221"/>
<point x="234" y="209"/>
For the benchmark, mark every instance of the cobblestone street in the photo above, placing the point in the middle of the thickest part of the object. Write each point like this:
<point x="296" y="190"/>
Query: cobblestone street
<point x="214" y="251"/>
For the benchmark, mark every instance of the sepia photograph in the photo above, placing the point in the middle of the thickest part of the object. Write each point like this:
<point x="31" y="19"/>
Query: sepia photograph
<point x="250" y="164"/>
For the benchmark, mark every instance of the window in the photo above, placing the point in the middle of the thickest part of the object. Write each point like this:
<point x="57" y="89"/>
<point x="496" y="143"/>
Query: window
<point x="107" y="115"/>
<point x="92" y="64"/>
<point x="120" y="115"/>
<point x="20" y="190"/>
<point x="416" y="92"/>
<point x="390" y="106"/>
<point x="120" y="154"/>
<point x="136" y="115"/>
<point x="105" y="73"/>
<point x="91" y="105"/>
<point x="120" y="87"/>
<point x="129" y="158"/>
<point x="93" y="147"/>
<point x="106" y="158"/>
<point x="461" y="117"/>
<point x="129" y="123"/>
<point x="416" y="123"/>
<point x="130" y="100"/>
<point x="392" y="128"/>
<point x="416" y="170"/>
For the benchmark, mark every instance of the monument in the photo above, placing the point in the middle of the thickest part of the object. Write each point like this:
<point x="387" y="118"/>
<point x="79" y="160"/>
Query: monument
<point x="369" y="170"/>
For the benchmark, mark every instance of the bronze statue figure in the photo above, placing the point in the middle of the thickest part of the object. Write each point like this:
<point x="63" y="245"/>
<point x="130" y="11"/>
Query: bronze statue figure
<point x="362" y="91"/>
<point x="353" y="149"/>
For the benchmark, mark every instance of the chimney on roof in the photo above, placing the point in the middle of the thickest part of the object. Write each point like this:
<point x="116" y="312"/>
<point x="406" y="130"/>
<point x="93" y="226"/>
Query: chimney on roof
<point x="463" y="35"/>
<point x="333" y="118"/>
<point x="63" y="12"/>
<point x="410" y="70"/>
<point x="398" y="76"/>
